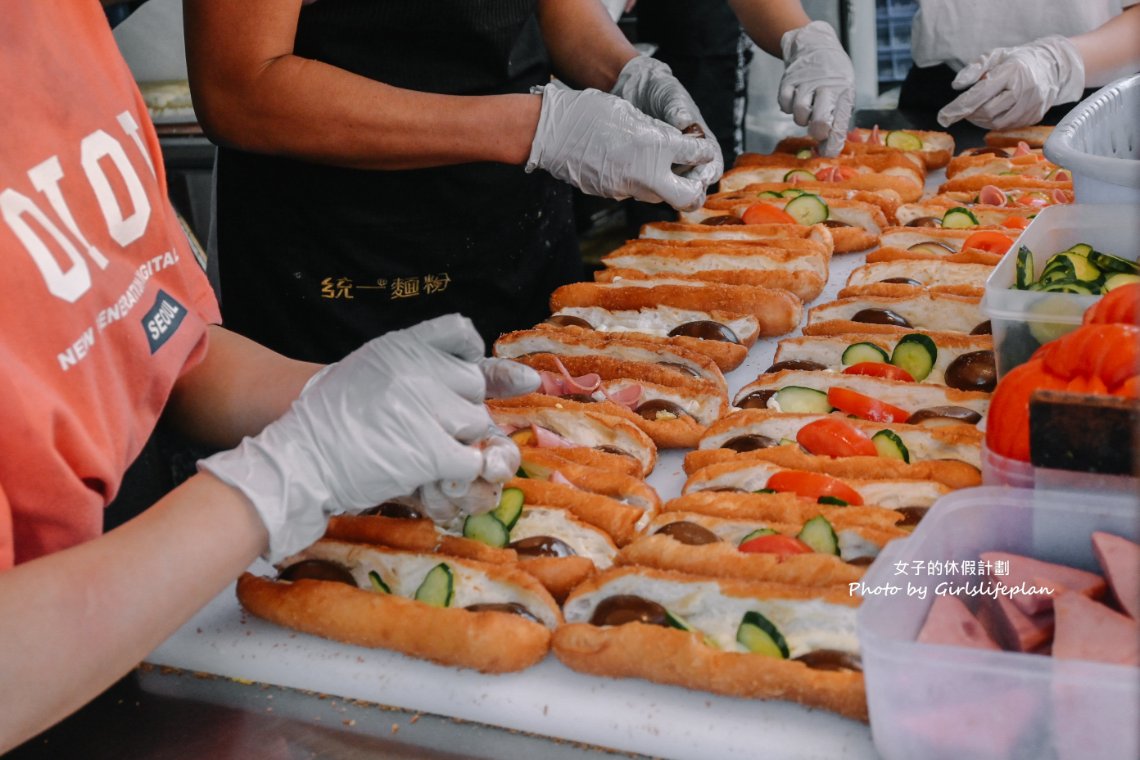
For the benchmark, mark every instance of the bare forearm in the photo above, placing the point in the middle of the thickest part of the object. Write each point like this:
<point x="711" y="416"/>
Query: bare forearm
<point x="252" y="92"/>
<point x="586" y="47"/>
<point x="238" y="389"/>
<point x="766" y="21"/>
<point x="1112" y="50"/>
<point x="118" y="596"/>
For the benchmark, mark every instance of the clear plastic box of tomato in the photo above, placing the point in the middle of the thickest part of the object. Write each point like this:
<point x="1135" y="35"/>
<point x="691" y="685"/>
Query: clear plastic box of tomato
<point x="933" y="702"/>
<point x="1023" y="320"/>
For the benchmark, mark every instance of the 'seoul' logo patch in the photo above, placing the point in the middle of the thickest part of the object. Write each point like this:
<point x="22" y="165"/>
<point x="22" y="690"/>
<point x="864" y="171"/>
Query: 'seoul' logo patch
<point x="162" y="320"/>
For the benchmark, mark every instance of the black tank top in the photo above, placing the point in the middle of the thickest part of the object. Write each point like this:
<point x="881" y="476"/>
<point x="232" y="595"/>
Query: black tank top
<point x="316" y="259"/>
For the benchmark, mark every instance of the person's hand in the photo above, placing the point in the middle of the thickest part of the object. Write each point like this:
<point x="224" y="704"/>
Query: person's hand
<point x="1015" y="86"/>
<point x="402" y="411"/>
<point x="650" y="85"/>
<point x="604" y="146"/>
<point x="818" y="86"/>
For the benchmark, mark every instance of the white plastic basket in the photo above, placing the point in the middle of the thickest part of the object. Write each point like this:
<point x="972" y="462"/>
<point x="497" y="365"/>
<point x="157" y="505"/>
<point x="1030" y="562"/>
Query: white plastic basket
<point x="1099" y="142"/>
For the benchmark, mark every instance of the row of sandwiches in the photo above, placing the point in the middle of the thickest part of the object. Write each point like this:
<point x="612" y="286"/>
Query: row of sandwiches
<point x="795" y="481"/>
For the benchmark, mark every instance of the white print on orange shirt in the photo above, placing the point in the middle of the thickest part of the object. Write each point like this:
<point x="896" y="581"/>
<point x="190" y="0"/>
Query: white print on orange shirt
<point x="19" y="211"/>
<point x="122" y="306"/>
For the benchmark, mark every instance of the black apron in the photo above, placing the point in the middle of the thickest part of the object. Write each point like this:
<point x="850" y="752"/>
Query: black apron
<point x="314" y="260"/>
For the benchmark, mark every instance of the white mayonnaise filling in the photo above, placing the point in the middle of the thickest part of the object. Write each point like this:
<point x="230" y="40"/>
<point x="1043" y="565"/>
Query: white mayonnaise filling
<point x="853" y="546"/>
<point x="658" y="321"/>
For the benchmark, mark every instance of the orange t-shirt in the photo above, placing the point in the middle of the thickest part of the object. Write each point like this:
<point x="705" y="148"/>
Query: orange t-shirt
<point x="104" y="306"/>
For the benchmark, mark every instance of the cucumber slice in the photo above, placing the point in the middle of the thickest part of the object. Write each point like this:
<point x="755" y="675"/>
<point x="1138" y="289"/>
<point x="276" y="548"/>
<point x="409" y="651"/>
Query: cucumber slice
<point x="437" y="588"/>
<point x="916" y="353"/>
<point x="510" y="507"/>
<point x="757" y="534"/>
<point x="864" y="352"/>
<point x="795" y="398"/>
<point x="938" y="249"/>
<point x="903" y="140"/>
<point x="833" y="501"/>
<point x="769" y="194"/>
<point x="959" y="218"/>
<point x="487" y="529"/>
<point x="807" y="209"/>
<point x="1024" y="268"/>
<point x="1074" y="288"/>
<point x="1110" y="263"/>
<point x="890" y="446"/>
<point x="791" y="192"/>
<point x="801" y="174"/>
<point x="757" y="634"/>
<point x="1081" y="249"/>
<point x="1083" y="269"/>
<point x="805" y="153"/>
<point x="378" y="584"/>
<point x="675" y="621"/>
<point x="765" y="490"/>
<point x="1118" y="279"/>
<point x="820" y="536"/>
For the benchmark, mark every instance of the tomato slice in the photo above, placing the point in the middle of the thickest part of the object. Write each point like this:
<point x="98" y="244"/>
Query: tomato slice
<point x="989" y="241"/>
<point x="764" y="213"/>
<point x="879" y="369"/>
<point x="1015" y="223"/>
<point x="813" y="485"/>
<point x="775" y="543"/>
<point x="864" y="407"/>
<point x="834" y="437"/>
<point x="1120" y="305"/>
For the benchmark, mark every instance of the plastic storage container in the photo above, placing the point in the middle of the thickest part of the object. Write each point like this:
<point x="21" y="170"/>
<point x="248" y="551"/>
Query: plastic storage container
<point x="1023" y="320"/>
<point x="932" y="702"/>
<point x="1099" y="142"/>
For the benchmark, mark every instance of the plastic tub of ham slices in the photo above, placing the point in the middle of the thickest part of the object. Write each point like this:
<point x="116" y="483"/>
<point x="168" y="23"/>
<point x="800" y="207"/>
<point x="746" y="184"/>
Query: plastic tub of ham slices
<point x="1023" y="320"/>
<point x="1099" y="142"/>
<point x="938" y="701"/>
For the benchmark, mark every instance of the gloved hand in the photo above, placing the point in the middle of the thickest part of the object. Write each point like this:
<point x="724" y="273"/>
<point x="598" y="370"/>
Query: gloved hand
<point x="604" y="146"/>
<point x="396" y="414"/>
<point x="1015" y="86"/>
<point x="818" y="86"/>
<point x="506" y="378"/>
<point x="650" y="85"/>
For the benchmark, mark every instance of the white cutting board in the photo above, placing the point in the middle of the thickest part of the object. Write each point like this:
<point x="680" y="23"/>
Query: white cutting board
<point x="548" y="699"/>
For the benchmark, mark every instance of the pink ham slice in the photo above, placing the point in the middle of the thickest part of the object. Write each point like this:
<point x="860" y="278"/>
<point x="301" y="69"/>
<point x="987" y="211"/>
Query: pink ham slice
<point x="1088" y="630"/>
<point x="950" y="622"/>
<point x="548" y="439"/>
<point x="991" y="196"/>
<point x="1034" y="572"/>
<point x="1120" y="560"/>
<point x="1011" y="627"/>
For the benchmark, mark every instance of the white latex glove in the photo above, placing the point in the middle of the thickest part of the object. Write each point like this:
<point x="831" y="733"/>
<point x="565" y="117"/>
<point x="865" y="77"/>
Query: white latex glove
<point x="444" y="501"/>
<point x="396" y="414"/>
<point x="650" y="85"/>
<point x="506" y="378"/>
<point x="1015" y="86"/>
<point x="604" y="146"/>
<point x="818" y="86"/>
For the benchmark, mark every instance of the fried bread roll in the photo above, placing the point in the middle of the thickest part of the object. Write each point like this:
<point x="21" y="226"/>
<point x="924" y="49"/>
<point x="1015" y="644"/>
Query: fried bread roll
<point x="702" y="544"/>
<point x="1023" y="163"/>
<point x="949" y="442"/>
<point x="754" y="475"/>
<point x="768" y="234"/>
<point x="372" y="602"/>
<point x="975" y="182"/>
<point x="547" y="464"/>
<point x="592" y="458"/>
<point x="673" y="415"/>
<point x="781" y="508"/>
<point x="777" y="311"/>
<point x="575" y="341"/>
<point x="929" y="252"/>
<point x="887" y="200"/>
<point x="907" y="237"/>
<point x="619" y="520"/>
<point x="1010" y="197"/>
<point x="922" y="311"/>
<point x="986" y="214"/>
<point x="412" y="534"/>
<point x="799" y="625"/>
<point x="805" y="286"/>
<point x="928" y="404"/>
<point x="693" y="257"/>
<point x="723" y="336"/>
<point x="854" y="225"/>
<point x="934" y="274"/>
<point x="960" y="361"/>
<point x="603" y="426"/>
<point x="874" y="173"/>
<point x="931" y="149"/>
<point x="1034" y="137"/>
